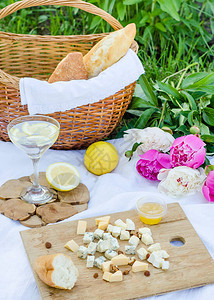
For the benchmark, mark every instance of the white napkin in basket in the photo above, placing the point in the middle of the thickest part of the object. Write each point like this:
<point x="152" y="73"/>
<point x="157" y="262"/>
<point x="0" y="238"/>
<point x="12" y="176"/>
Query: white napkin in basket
<point x="42" y="97"/>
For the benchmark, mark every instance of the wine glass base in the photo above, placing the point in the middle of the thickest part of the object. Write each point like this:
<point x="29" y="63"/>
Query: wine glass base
<point x="38" y="195"/>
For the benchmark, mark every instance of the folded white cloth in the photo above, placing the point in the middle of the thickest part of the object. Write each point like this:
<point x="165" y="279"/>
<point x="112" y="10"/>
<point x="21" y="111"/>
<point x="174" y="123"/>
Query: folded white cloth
<point x="42" y="97"/>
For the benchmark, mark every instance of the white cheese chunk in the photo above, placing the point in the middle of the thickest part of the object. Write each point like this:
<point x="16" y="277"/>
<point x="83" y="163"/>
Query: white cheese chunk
<point x="124" y="235"/>
<point x="88" y="237"/>
<point x="155" y="260"/>
<point x="120" y="260"/>
<point x="90" y="261"/>
<point x="139" y="266"/>
<point x="110" y="228"/>
<point x="134" y="240"/>
<point x="72" y="245"/>
<point x="98" y="261"/>
<point x="116" y="231"/>
<point x="82" y="252"/>
<point x="114" y="245"/>
<point x="120" y="223"/>
<point x="130" y="224"/>
<point x="162" y="253"/>
<point x="165" y="265"/>
<point x="81" y="227"/>
<point x="103" y="219"/>
<point x="103" y="245"/>
<point x="130" y="249"/>
<point x="106" y="235"/>
<point x="98" y="233"/>
<point x="117" y="276"/>
<point x="103" y="225"/>
<point x="154" y="247"/>
<point x="106" y="276"/>
<point x="147" y="239"/>
<point x="110" y="254"/>
<point x="92" y="247"/>
<point x="142" y="253"/>
<point x="106" y="266"/>
<point x="144" y="230"/>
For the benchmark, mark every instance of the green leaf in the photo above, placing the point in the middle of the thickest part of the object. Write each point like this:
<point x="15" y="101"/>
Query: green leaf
<point x="121" y="10"/>
<point x="160" y="27"/>
<point x="171" y="7"/>
<point x="144" y="118"/>
<point x="42" y="18"/>
<point x="169" y="90"/>
<point x="208" y="115"/>
<point x="134" y="112"/>
<point x="190" y="99"/>
<point x="139" y="103"/>
<point x="130" y="2"/>
<point x="95" y="22"/>
<point x="148" y="90"/>
<point x="183" y="129"/>
<point x="207" y="138"/>
<point x="191" y="117"/>
<point x="192" y="79"/>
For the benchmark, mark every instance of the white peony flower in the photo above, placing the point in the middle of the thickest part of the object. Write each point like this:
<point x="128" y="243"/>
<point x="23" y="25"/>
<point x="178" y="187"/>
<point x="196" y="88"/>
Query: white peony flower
<point x="151" y="138"/>
<point x="181" y="180"/>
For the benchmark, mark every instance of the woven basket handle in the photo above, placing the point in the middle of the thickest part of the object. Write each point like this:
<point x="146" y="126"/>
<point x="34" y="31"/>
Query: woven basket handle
<point x="73" y="3"/>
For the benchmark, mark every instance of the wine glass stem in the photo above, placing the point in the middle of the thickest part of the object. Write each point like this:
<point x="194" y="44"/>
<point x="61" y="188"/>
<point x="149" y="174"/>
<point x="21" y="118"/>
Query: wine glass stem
<point x="36" y="185"/>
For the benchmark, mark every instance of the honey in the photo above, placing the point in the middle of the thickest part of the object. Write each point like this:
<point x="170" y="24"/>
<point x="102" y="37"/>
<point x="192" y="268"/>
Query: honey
<point x="151" y="212"/>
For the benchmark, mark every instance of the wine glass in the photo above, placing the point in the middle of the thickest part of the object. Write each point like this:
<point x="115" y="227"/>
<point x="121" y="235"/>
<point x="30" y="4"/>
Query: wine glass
<point x="34" y="135"/>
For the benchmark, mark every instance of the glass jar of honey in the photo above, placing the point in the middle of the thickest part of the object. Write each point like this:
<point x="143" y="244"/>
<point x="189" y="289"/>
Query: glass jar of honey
<point x="151" y="208"/>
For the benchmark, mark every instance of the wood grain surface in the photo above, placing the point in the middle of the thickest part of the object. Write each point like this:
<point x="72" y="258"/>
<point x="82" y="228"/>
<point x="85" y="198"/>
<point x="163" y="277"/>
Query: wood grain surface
<point x="190" y="265"/>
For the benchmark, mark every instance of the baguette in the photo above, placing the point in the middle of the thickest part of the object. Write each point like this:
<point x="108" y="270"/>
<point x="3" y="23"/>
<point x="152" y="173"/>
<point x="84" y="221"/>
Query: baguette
<point x="70" y="68"/>
<point x="109" y="50"/>
<point x="57" y="270"/>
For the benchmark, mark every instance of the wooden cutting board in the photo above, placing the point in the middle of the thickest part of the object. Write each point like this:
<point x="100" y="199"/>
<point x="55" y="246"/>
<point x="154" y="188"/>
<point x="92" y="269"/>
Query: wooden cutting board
<point x="190" y="265"/>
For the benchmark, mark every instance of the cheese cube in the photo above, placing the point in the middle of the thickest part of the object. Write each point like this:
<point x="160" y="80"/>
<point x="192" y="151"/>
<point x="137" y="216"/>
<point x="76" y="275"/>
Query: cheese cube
<point x="106" y="235"/>
<point x="98" y="261"/>
<point x="155" y="260"/>
<point x="117" y="276"/>
<point x="90" y="261"/>
<point x="103" y="225"/>
<point x="144" y="230"/>
<point x="154" y="247"/>
<point x="139" y="266"/>
<point x="120" y="223"/>
<point x="165" y="265"/>
<point x="82" y="252"/>
<point x="106" y="276"/>
<point x="103" y="219"/>
<point x="103" y="245"/>
<point x="116" y="231"/>
<point x="92" y="247"/>
<point x="130" y="224"/>
<point x="106" y="266"/>
<point x="88" y="237"/>
<point x="125" y="235"/>
<point x="142" y="253"/>
<point x="120" y="260"/>
<point x="72" y="245"/>
<point x="110" y="228"/>
<point x="81" y="227"/>
<point x="162" y="253"/>
<point x="134" y="240"/>
<point x="98" y="233"/>
<point x="147" y="239"/>
<point x="114" y="245"/>
<point x="110" y="254"/>
<point x="130" y="249"/>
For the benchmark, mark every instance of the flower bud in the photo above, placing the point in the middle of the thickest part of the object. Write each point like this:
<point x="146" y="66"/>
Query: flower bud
<point x="129" y="154"/>
<point x="194" y="130"/>
<point x="167" y="129"/>
<point x="208" y="169"/>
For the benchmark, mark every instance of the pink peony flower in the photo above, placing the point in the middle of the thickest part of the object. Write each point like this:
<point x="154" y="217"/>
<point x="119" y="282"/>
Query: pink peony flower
<point x="151" y="163"/>
<point x="208" y="188"/>
<point x="188" y="151"/>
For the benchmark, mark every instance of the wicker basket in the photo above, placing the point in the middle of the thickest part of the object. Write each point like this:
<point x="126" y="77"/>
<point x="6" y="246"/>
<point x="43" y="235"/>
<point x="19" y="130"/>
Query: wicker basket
<point x="36" y="56"/>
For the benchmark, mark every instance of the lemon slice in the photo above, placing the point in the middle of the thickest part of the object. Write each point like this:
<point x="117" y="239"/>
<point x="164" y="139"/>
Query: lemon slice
<point x="62" y="176"/>
<point x="41" y="128"/>
<point x="16" y="134"/>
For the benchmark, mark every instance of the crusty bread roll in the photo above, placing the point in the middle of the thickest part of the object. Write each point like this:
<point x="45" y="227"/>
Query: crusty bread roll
<point x="109" y="50"/>
<point x="57" y="270"/>
<point x="70" y="68"/>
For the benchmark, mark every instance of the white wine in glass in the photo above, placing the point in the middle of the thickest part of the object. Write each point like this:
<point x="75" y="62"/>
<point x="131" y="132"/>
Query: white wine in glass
<point x="34" y="135"/>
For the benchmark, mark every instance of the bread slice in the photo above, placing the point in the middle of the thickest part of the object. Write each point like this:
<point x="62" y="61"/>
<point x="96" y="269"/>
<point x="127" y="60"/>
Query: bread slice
<point x="70" y="68"/>
<point x="57" y="270"/>
<point x="109" y="50"/>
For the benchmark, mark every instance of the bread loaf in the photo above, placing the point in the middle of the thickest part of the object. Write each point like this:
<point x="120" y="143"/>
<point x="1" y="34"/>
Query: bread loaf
<point x="70" y="68"/>
<point x="57" y="270"/>
<point x="109" y="50"/>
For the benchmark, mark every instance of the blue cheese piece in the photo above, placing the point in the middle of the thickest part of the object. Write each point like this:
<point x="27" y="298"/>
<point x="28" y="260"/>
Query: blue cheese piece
<point x="147" y="239"/>
<point x="120" y="223"/>
<point x="134" y="240"/>
<point x="98" y="261"/>
<point x="114" y="245"/>
<point x="82" y="252"/>
<point x="165" y="265"/>
<point x="154" y="247"/>
<point x="116" y="231"/>
<point x="130" y="249"/>
<point x="88" y="237"/>
<point x="98" y="233"/>
<point x="103" y="245"/>
<point x="110" y="228"/>
<point x="106" y="235"/>
<point x="90" y="261"/>
<point x="130" y="225"/>
<point x="92" y="248"/>
<point x="142" y="253"/>
<point x="144" y="230"/>
<point x="110" y="254"/>
<point x="124" y="235"/>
